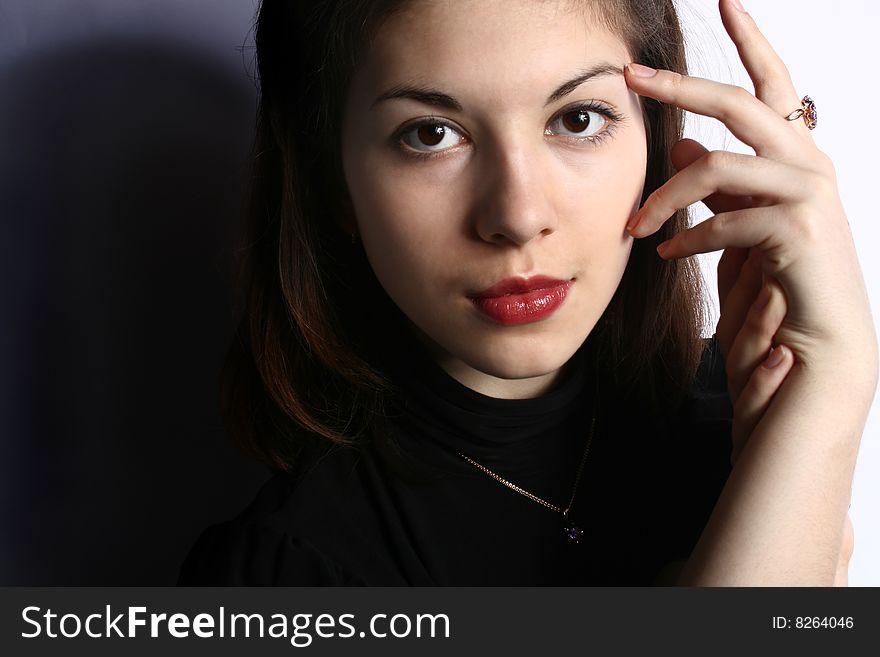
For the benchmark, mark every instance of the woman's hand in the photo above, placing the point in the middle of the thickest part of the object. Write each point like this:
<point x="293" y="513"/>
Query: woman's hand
<point x="745" y="334"/>
<point x="779" y="219"/>
<point x="784" y="205"/>
<point x="754" y="312"/>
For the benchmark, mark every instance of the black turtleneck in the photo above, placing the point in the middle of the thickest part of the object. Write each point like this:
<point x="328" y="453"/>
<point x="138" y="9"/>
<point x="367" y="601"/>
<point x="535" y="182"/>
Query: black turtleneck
<point x="409" y="510"/>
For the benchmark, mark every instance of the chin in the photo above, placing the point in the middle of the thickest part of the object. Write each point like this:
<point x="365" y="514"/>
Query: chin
<point x="523" y="362"/>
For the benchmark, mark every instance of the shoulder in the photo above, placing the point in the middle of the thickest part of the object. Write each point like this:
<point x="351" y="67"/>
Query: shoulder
<point x="278" y="538"/>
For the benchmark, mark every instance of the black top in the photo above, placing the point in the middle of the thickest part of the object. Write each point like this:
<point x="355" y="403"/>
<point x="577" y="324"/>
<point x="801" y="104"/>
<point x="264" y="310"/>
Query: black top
<point x="419" y="514"/>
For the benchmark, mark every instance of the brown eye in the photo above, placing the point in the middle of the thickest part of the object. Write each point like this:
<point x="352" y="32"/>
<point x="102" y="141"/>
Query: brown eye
<point x="576" y="121"/>
<point x="580" y="123"/>
<point x="431" y="137"/>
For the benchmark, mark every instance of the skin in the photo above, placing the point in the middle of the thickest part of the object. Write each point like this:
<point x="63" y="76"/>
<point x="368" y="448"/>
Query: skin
<point x="505" y="198"/>
<point x="781" y="518"/>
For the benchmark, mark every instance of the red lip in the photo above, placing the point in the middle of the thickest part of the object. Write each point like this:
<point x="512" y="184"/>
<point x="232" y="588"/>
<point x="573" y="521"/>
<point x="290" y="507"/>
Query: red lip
<point x="522" y="301"/>
<point x="519" y="285"/>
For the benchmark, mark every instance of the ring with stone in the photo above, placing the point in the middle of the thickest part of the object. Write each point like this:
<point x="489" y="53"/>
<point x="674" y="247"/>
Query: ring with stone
<point x="807" y="111"/>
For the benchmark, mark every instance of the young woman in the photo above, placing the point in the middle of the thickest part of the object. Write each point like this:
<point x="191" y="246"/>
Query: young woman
<point x="463" y="346"/>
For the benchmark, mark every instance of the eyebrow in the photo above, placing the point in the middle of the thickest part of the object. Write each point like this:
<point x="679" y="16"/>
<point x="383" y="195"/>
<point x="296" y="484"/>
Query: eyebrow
<point x="439" y="98"/>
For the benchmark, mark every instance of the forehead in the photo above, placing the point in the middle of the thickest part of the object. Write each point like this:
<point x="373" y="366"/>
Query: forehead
<point x="490" y="47"/>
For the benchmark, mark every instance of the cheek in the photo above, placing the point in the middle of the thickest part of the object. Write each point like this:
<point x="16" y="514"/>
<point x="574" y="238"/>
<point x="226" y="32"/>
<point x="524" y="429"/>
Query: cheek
<point x="395" y="219"/>
<point x="607" y="185"/>
<point x="401" y="229"/>
<point x="601" y="194"/>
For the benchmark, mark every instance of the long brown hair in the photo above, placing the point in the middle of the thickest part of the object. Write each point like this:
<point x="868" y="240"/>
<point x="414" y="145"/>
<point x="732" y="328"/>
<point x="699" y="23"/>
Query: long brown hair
<point x="304" y="366"/>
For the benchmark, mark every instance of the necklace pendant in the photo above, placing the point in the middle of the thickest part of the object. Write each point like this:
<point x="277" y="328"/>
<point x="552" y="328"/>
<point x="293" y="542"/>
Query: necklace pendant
<point x="573" y="533"/>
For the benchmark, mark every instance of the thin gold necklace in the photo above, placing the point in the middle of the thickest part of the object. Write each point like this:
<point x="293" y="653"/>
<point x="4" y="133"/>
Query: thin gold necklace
<point x="572" y="531"/>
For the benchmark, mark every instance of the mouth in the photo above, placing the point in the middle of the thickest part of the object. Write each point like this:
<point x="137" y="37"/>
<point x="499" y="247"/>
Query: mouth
<point x="520" y="285"/>
<point x="515" y="301"/>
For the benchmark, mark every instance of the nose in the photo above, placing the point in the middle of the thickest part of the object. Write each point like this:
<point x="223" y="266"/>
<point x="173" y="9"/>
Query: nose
<point x="517" y="196"/>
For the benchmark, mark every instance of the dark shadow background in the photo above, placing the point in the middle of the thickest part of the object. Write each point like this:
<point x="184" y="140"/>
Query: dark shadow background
<point x="121" y="167"/>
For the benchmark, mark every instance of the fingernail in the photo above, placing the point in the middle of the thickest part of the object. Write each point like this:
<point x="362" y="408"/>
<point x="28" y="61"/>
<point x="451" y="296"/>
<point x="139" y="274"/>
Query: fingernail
<point x="633" y="224"/>
<point x="663" y="248"/>
<point x="738" y="5"/>
<point x="777" y="355"/>
<point x="642" y="71"/>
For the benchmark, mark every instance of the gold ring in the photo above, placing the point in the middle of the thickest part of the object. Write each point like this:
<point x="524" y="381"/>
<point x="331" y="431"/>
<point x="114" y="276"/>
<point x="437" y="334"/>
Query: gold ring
<point x="807" y="111"/>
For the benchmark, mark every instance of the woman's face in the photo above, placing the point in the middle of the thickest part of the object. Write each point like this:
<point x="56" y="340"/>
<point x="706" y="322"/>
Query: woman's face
<point x="471" y="157"/>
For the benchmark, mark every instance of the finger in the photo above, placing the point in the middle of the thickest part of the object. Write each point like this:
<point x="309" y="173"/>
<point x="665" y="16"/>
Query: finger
<point x="687" y="151"/>
<point x="738" y="300"/>
<point x="750" y="120"/>
<point x="741" y="229"/>
<point x="755" y="337"/>
<point x="773" y="85"/>
<point x="755" y="399"/>
<point x="729" y="267"/>
<point x="769" y="74"/>
<point x="684" y="153"/>
<point x="718" y="171"/>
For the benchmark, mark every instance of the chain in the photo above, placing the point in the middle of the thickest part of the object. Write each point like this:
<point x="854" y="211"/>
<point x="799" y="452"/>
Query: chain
<point x="532" y="496"/>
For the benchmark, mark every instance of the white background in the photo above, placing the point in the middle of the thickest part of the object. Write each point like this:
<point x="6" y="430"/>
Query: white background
<point x="827" y="50"/>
